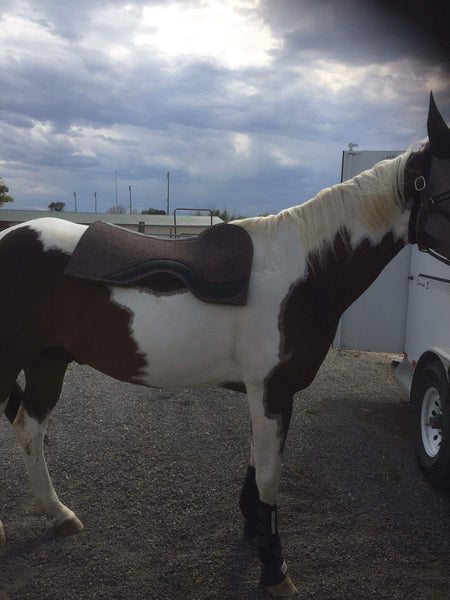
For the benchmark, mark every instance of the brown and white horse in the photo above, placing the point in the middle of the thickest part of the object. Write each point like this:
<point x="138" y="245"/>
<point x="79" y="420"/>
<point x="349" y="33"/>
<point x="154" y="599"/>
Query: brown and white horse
<point x="310" y="263"/>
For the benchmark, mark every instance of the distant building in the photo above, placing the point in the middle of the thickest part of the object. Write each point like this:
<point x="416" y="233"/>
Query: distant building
<point x="163" y="225"/>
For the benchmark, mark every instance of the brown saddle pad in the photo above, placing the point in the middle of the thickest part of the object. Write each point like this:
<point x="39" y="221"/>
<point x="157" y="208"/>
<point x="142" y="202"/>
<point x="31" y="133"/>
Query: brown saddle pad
<point x="215" y="266"/>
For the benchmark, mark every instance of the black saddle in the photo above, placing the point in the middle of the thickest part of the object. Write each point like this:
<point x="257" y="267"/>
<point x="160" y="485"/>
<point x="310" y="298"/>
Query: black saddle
<point x="215" y="266"/>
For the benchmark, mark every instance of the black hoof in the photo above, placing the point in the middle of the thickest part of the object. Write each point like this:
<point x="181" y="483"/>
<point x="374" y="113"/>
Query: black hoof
<point x="272" y="575"/>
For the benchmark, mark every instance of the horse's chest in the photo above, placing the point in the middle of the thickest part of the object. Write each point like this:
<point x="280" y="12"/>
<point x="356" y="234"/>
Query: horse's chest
<point x="307" y="323"/>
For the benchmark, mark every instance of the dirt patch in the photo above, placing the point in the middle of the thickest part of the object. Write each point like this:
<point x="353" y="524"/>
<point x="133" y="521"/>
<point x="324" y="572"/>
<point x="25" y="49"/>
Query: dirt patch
<point x="155" y="477"/>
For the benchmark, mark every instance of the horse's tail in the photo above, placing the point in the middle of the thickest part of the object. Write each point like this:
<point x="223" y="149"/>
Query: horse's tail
<point x="13" y="404"/>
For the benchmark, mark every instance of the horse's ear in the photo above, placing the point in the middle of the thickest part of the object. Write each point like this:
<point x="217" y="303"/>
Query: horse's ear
<point x="438" y="132"/>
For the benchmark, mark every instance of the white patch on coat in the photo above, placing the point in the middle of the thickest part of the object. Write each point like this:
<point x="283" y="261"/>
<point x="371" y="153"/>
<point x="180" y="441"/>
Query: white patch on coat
<point x="187" y="342"/>
<point x="54" y="234"/>
<point x="57" y="234"/>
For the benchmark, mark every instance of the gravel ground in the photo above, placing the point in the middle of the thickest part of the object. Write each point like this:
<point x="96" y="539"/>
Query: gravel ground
<point x="155" y="476"/>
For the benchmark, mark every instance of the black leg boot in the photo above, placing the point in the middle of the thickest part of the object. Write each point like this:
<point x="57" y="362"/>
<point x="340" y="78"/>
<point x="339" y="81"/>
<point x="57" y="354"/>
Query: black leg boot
<point x="249" y="505"/>
<point x="274" y="568"/>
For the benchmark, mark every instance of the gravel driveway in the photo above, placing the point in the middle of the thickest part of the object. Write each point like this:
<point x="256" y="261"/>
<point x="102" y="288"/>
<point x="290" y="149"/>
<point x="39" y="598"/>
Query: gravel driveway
<point x="155" y="477"/>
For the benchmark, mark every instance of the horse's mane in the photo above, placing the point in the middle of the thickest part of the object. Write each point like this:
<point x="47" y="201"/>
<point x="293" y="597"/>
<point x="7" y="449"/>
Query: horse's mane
<point x="369" y="201"/>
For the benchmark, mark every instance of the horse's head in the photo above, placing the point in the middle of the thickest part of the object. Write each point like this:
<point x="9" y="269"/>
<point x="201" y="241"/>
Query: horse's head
<point x="429" y="187"/>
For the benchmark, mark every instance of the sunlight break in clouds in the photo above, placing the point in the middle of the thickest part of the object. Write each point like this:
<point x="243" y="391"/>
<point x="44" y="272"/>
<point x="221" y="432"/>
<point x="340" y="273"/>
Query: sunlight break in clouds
<point x="228" y="31"/>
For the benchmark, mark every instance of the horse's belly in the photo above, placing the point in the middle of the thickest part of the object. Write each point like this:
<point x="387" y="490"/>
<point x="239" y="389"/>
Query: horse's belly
<point x="184" y="342"/>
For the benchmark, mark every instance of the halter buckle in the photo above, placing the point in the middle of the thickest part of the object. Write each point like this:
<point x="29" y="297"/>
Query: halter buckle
<point x="420" y="183"/>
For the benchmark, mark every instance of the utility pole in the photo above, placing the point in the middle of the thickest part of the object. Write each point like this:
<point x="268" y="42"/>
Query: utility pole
<point x="129" y="188"/>
<point x="115" y="175"/>
<point x="168" y="191"/>
<point x="75" y="199"/>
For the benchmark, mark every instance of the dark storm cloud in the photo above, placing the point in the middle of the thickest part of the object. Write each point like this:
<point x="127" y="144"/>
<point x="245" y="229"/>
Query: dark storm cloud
<point x="362" y="32"/>
<point x="80" y="97"/>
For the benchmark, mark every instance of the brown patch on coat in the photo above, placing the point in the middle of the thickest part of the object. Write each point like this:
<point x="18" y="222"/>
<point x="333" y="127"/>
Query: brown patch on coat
<point x="13" y="404"/>
<point x="310" y="313"/>
<point x="47" y="320"/>
<point x="96" y="331"/>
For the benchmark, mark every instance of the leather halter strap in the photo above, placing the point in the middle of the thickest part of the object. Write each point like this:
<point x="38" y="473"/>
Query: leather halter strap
<point x="416" y="171"/>
<point x="424" y="207"/>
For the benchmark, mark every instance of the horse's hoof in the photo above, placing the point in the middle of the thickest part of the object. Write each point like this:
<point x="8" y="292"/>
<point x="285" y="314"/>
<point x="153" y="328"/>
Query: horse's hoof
<point x="70" y="526"/>
<point x="284" y="589"/>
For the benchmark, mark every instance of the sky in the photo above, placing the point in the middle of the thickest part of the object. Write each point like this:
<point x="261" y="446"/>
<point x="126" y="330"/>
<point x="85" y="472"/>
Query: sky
<point x="247" y="103"/>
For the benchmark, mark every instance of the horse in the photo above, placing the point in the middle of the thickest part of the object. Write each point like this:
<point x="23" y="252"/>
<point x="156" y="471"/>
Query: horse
<point x="309" y="263"/>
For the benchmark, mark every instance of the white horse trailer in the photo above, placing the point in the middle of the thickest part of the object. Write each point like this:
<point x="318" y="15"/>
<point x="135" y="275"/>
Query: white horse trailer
<point x="425" y="368"/>
<point x="424" y="327"/>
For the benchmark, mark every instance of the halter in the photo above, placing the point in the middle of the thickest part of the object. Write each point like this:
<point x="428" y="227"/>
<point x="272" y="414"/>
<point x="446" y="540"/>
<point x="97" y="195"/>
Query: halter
<point x="429" y="212"/>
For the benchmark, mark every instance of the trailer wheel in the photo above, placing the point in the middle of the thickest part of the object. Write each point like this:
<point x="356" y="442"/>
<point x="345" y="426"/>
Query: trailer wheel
<point x="430" y="409"/>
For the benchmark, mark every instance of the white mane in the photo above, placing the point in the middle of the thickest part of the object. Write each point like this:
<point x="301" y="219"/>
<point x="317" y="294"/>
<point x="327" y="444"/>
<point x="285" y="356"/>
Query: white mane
<point x="369" y="201"/>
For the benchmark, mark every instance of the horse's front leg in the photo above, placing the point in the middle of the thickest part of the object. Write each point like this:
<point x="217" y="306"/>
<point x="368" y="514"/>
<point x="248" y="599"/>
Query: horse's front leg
<point x="259" y="497"/>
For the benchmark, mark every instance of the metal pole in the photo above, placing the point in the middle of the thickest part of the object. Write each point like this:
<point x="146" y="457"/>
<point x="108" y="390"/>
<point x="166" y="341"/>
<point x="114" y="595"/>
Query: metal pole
<point x="95" y="201"/>
<point x="168" y="191"/>
<point x="116" y="186"/>
<point x="75" y="198"/>
<point x="129" y="187"/>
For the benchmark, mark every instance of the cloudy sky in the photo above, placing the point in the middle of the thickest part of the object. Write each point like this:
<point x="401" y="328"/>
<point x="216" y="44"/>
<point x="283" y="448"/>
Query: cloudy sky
<point x="248" y="103"/>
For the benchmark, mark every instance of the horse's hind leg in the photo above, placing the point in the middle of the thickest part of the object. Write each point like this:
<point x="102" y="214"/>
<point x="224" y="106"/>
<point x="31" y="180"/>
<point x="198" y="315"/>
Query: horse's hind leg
<point x="2" y="531"/>
<point x="43" y="386"/>
<point x="9" y="400"/>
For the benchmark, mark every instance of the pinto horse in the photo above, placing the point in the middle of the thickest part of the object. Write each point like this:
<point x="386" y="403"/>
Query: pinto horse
<point x="309" y="264"/>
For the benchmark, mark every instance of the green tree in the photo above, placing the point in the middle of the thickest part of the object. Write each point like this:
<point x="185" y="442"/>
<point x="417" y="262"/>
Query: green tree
<point x="57" y="206"/>
<point x="4" y="193"/>
<point x="153" y="211"/>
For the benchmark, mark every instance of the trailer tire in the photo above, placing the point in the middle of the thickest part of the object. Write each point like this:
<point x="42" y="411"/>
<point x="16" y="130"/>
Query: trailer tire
<point x="430" y="410"/>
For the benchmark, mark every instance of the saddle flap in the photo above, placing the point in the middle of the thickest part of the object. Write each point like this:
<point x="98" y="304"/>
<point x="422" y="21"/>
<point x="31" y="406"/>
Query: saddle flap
<point x="215" y="266"/>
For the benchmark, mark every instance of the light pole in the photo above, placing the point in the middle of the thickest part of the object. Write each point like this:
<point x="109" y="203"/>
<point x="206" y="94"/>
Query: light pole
<point x="115" y="177"/>
<point x="95" y="201"/>
<point x="168" y="191"/>
<point x="129" y="188"/>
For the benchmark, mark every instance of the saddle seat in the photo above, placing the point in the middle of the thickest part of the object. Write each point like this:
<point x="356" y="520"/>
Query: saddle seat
<point x="215" y="266"/>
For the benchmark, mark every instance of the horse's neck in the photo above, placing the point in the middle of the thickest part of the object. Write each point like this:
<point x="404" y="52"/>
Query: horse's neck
<point x="346" y="272"/>
<point x="370" y="228"/>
